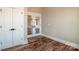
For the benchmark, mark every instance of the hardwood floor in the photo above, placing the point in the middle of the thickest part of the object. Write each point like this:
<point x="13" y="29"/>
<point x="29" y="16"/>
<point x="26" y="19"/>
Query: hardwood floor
<point x="41" y="43"/>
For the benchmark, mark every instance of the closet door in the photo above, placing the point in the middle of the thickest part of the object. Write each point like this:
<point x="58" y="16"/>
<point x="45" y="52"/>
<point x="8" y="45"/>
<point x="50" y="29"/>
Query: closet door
<point x="7" y="22"/>
<point x="18" y="25"/>
<point x="1" y="28"/>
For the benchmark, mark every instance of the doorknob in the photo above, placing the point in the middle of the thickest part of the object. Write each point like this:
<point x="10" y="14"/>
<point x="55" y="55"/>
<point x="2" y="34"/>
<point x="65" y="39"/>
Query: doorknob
<point x="12" y="29"/>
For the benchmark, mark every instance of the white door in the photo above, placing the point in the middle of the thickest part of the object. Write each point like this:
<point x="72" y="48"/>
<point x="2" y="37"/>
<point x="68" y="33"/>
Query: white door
<point x="1" y="27"/>
<point x="7" y="22"/>
<point x="11" y="27"/>
<point x="18" y="25"/>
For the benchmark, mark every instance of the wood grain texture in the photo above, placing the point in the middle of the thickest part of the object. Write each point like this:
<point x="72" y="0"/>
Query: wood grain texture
<point x="40" y="43"/>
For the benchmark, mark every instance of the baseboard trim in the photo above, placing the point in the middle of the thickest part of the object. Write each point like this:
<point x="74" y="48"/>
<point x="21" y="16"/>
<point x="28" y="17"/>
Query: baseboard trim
<point x="62" y="41"/>
<point x="33" y="35"/>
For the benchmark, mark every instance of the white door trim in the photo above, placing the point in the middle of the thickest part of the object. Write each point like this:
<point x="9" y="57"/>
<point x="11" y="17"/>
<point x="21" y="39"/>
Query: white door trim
<point x="37" y="14"/>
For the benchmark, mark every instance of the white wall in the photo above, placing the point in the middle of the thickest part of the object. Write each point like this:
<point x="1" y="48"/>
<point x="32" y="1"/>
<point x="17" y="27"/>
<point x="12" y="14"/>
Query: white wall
<point x="62" y="23"/>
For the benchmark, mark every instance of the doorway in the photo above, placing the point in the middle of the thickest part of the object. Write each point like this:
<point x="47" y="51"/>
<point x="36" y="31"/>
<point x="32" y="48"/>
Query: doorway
<point x="33" y="24"/>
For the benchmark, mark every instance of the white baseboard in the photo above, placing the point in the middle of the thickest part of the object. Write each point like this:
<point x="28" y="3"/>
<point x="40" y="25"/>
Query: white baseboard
<point x="33" y="35"/>
<point x="62" y="41"/>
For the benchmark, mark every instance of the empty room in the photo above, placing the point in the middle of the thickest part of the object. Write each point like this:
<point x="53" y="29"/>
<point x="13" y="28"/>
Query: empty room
<point x="39" y="29"/>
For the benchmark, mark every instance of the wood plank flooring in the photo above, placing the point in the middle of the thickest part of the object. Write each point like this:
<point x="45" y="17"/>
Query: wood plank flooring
<point x="41" y="43"/>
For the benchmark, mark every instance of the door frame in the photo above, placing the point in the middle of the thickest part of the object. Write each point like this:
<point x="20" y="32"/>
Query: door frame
<point x="37" y="14"/>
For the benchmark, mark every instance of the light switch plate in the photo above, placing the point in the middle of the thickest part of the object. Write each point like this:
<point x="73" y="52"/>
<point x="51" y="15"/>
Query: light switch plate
<point x="0" y="26"/>
<point x="48" y="24"/>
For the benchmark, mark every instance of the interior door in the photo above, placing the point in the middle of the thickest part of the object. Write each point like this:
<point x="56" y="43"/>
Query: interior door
<point x="18" y="25"/>
<point x="1" y="27"/>
<point x="7" y="25"/>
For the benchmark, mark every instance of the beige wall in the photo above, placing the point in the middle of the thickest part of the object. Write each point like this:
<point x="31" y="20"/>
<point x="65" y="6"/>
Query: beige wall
<point x="35" y="9"/>
<point x="62" y="23"/>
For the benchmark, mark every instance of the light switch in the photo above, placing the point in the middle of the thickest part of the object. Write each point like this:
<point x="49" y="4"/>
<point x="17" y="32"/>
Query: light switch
<point x="48" y="24"/>
<point x="0" y="26"/>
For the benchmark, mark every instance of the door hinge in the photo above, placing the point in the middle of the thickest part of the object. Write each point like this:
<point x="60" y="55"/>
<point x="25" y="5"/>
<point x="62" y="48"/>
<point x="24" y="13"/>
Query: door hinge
<point x="0" y="10"/>
<point x="0" y="43"/>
